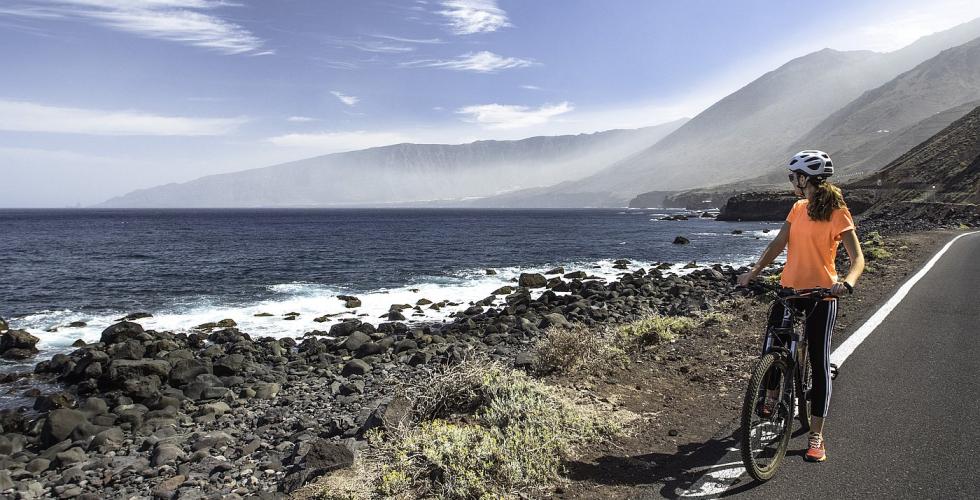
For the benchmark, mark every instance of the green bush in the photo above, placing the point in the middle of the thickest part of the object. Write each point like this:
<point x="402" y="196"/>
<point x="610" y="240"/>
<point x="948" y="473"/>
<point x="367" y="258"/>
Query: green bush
<point x="873" y="239"/>
<point x="655" y="330"/>
<point x="578" y="350"/>
<point x="515" y="439"/>
<point x="877" y="253"/>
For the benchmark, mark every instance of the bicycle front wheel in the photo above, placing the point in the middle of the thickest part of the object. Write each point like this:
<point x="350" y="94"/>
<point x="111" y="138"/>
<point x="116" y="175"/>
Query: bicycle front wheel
<point x="767" y="416"/>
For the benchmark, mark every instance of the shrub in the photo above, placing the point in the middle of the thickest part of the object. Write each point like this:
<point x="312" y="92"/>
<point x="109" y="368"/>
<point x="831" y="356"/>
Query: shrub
<point x="714" y="318"/>
<point x="578" y="350"/>
<point x="516" y="437"/>
<point x="654" y="330"/>
<point x="873" y="239"/>
<point x="877" y="253"/>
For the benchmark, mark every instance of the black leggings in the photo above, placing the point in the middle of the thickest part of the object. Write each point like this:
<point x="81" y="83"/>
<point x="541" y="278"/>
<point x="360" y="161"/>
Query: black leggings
<point x="819" y="327"/>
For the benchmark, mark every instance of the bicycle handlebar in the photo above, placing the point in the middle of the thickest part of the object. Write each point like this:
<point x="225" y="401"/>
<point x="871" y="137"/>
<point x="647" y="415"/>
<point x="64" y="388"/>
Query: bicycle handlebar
<point x="791" y="293"/>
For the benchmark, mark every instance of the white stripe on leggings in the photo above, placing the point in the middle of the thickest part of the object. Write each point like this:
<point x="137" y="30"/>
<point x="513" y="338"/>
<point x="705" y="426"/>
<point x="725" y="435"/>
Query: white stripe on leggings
<point x="831" y="319"/>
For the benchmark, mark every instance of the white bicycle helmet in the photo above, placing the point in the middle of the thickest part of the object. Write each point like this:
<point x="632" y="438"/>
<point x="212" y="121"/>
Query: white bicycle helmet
<point x="812" y="163"/>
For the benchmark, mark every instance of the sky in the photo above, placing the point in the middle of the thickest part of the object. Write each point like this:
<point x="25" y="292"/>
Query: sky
<point x="101" y="97"/>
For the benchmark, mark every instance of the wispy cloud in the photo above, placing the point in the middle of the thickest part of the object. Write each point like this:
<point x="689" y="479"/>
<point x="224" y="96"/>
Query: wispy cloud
<point x="466" y="17"/>
<point x="346" y="99"/>
<point x="479" y="62"/>
<point x="332" y="142"/>
<point x="184" y="21"/>
<point x="301" y="119"/>
<point x="530" y="87"/>
<point x="427" y="41"/>
<point x="504" y="116"/>
<point x="374" y="46"/>
<point x="18" y="116"/>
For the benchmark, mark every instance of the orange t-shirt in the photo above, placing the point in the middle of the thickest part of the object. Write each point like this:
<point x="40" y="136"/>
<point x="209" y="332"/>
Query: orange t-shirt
<point x="812" y="247"/>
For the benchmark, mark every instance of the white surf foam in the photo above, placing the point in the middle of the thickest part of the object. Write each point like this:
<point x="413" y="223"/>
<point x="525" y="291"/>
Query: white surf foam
<point x="313" y="301"/>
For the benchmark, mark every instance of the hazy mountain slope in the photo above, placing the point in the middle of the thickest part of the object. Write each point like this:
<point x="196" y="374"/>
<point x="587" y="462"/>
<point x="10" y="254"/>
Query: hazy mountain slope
<point x="944" y="169"/>
<point x="890" y="147"/>
<point x="749" y="130"/>
<point x="855" y="132"/>
<point x="406" y="173"/>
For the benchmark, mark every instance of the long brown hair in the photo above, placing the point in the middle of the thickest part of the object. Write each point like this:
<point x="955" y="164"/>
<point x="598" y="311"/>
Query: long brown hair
<point x="825" y="200"/>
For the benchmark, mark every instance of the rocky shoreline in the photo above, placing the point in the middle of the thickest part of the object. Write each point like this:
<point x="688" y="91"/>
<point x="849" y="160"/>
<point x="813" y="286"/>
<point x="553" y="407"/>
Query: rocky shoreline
<point x="146" y="413"/>
<point x="219" y="413"/>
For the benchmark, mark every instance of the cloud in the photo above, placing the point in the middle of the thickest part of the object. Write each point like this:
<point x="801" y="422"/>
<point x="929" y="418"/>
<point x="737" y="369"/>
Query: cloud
<point x="20" y="116"/>
<point x="346" y="99"/>
<point x="333" y="142"/>
<point x="409" y="40"/>
<point x="530" y="87"/>
<point x="181" y="21"/>
<point x="502" y="116"/>
<point x="374" y="46"/>
<point x="466" y="17"/>
<point x="301" y="119"/>
<point x="479" y="62"/>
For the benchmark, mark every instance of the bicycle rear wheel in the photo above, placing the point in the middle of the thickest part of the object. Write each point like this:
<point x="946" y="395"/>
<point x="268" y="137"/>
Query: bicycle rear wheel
<point x="766" y="428"/>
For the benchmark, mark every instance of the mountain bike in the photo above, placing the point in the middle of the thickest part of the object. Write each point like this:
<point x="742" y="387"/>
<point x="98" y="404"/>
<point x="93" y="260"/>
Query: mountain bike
<point x="779" y="387"/>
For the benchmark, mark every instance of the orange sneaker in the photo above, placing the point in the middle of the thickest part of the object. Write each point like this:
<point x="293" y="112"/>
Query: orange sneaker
<point x="817" y="451"/>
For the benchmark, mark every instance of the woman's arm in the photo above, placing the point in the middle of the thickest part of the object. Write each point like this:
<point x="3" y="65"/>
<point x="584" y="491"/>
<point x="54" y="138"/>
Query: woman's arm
<point x="856" y="255"/>
<point x="772" y="251"/>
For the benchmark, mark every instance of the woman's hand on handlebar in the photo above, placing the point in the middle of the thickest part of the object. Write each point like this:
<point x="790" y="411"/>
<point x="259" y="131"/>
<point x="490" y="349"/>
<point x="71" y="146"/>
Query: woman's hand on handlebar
<point x="840" y="289"/>
<point x="744" y="278"/>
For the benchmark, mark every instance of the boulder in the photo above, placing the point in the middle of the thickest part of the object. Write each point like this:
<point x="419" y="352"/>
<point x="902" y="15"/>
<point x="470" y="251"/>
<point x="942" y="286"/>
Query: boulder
<point x="129" y="349"/>
<point x="166" y="453"/>
<point x="231" y="364"/>
<point x="532" y="280"/>
<point x="142" y="388"/>
<point x="59" y="424"/>
<point x="356" y="367"/>
<point x="352" y="303"/>
<point x="186" y="370"/>
<point x="122" y="369"/>
<point x="554" y="319"/>
<point x="17" y="344"/>
<point x="168" y="488"/>
<point x="680" y="240"/>
<point x="491" y="272"/>
<point x="266" y="390"/>
<point x="121" y="332"/>
<point x="3" y="325"/>
<point x="504" y="290"/>
<point x="70" y="457"/>
<point x="325" y="456"/>
<point x="581" y="275"/>
<point x="135" y="316"/>
<point x="54" y="401"/>
<point x="557" y="270"/>
<point x="227" y="323"/>
<point x="344" y="328"/>
<point x="212" y="440"/>
<point x="355" y="340"/>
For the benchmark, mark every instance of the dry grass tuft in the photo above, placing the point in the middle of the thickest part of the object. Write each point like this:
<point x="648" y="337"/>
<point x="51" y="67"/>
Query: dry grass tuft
<point x="579" y="350"/>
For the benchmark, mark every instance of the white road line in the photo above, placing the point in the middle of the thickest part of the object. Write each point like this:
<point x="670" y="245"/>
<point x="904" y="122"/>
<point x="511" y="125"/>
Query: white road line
<point x="844" y="350"/>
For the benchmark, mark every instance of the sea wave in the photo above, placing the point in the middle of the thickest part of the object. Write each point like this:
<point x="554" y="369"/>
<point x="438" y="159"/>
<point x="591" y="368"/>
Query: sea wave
<point x="268" y="317"/>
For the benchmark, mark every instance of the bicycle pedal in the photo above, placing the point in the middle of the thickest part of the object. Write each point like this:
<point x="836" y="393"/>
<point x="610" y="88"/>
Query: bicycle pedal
<point x="834" y="371"/>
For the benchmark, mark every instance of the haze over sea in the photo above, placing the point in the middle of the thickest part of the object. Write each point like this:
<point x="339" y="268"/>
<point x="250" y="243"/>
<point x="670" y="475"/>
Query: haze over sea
<point x="188" y="267"/>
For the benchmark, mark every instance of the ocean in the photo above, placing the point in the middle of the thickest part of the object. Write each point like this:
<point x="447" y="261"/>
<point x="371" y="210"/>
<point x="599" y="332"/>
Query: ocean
<point x="188" y="267"/>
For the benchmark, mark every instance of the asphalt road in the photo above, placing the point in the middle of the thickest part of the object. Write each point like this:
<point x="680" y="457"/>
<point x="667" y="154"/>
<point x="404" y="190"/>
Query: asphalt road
<point x="904" y="417"/>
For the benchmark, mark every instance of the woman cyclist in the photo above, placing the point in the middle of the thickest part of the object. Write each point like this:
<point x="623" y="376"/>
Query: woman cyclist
<point x="812" y="231"/>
